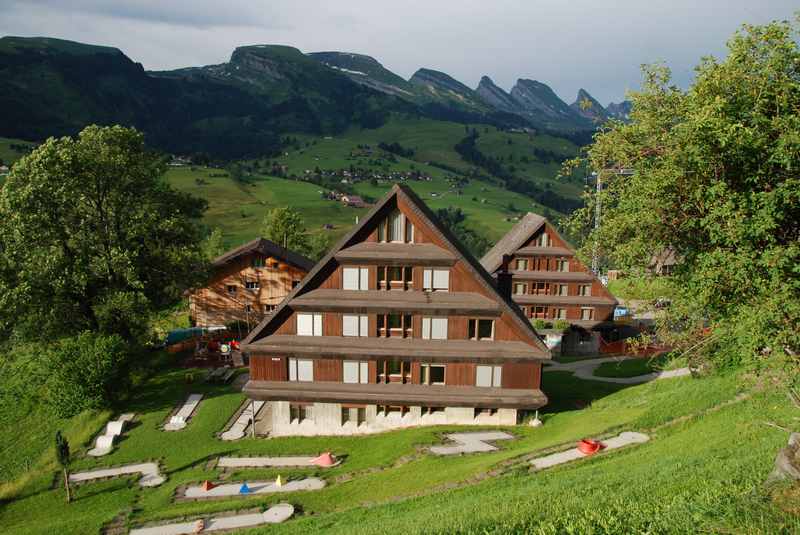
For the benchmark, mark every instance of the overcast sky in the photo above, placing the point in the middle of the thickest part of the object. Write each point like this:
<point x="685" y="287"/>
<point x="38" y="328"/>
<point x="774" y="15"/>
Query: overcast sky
<point x="568" y="44"/>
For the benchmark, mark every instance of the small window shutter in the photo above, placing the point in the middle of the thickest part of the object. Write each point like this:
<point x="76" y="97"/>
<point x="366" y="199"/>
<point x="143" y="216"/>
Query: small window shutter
<point x="426" y="328"/>
<point x="426" y="279"/>
<point x="364" y="321"/>
<point x="293" y="369"/>
<point x="317" y="324"/>
<point x="497" y="379"/>
<point x="350" y="371"/>
<point x="305" y="370"/>
<point x="441" y="279"/>
<point x="349" y="325"/>
<point x="305" y="325"/>
<point x="364" y="368"/>
<point x="363" y="283"/>
<point x="350" y="279"/>
<point x="483" y="376"/>
<point x="439" y="328"/>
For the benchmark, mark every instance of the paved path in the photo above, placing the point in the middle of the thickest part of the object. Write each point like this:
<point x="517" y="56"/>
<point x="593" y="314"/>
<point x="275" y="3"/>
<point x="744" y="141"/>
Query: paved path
<point x="274" y="515"/>
<point x="151" y="476"/>
<point x="228" y="490"/>
<point x="178" y="420"/>
<point x="470" y="443"/>
<point x="623" y="439"/>
<point x="267" y="462"/>
<point x="584" y="369"/>
<point x="239" y="427"/>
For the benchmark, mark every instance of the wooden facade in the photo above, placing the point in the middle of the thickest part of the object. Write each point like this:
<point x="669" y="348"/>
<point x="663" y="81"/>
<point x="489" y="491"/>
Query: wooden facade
<point x="247" y="284"/>
<point x="545" y="278"/>
<point x="397" y="309"/>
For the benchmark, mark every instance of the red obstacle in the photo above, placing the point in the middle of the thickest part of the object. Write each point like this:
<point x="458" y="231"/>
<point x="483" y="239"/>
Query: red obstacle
<point x="325" y="460"/>
<point x="208" y="485"/>
<point x="588" y="446"/>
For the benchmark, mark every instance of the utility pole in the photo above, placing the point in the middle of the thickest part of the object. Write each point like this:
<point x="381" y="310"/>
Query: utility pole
<point x="595" y="245"/>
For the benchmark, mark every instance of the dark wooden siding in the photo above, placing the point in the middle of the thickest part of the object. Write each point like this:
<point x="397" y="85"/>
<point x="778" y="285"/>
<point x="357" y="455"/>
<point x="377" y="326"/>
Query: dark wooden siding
<point x="522" y="375"/>
<point x="460" y="374"/>
<point x="328" y="370"/>
<point x="331" y="324"/>
<point x="266" y="368"/>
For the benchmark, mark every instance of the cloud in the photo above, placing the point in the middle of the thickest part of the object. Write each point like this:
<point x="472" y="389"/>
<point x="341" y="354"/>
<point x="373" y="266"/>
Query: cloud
<point x="598" y="45"/>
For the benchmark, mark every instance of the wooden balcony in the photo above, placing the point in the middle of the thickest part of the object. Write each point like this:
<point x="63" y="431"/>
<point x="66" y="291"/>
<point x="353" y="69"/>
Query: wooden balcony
<point x="397" y="301"/>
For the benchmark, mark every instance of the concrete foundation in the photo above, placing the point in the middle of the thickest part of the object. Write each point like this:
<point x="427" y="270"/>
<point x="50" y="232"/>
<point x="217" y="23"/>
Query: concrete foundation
<point x="333" y="419"/>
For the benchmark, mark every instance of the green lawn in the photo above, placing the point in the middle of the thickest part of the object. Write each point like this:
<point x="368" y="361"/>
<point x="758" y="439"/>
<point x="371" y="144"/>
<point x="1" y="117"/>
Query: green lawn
<point x="9" y="154"/>
<point x="638" y="366"/>
<point x="404" y="488"/>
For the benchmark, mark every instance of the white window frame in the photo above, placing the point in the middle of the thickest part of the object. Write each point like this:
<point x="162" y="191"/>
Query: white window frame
<point x="477" y="328"/>
<point x="355" y="325"/>
<point x="301" y="370"/>
<point x="518" y="285"/>
<point x="563" y="290"/>
<point x="561" y="314"/>
<point x="585" y="290"/>
<point x="434" y="328"/>
<point x="489" y="376"/>
<point x="544" y="240"/>
<point x="562" y="265"/>
<point x="252" y="285"/>
<point x="521" y="262"/>
<point x="590" y="311"/>
<point x="355" y="372"/>
<point x="425" y="374"/>
<point x="355" y="278"/>
<point x="436" y="280"/>
<point x="309" y="324"/>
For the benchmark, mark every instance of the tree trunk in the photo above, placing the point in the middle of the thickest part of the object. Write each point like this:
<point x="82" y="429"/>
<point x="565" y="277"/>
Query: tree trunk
<point x="66" y="485"/>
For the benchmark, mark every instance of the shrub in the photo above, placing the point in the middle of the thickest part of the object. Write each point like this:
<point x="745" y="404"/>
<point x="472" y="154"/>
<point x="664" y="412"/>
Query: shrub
<point x="561" y="325"/>
<point x="539" y="324"/>
<point x="87" y="371"/>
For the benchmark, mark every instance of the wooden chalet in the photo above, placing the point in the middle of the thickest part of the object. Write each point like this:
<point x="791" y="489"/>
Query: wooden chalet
<point x="397" y="326"/>
<point x="539" y="269"/>
<point x="247" y="284"/>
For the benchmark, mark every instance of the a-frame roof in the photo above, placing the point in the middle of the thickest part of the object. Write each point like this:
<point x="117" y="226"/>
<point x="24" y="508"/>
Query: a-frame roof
<point x="267" y="248"/>
<point x="513" y="240"/>
<point x="434" y="226"/>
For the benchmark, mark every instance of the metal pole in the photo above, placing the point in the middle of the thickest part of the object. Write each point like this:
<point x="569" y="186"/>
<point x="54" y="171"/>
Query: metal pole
<point x="253" y="424"/>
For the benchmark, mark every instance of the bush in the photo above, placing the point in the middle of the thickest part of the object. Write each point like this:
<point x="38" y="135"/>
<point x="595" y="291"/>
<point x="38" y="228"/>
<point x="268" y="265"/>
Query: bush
<point x="561" y="325"/>
<point x="87" y="371"/>
<point x="539" y="324"/>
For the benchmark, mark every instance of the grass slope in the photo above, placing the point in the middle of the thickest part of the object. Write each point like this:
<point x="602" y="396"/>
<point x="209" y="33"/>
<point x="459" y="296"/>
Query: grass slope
<point x="703" y="471"/>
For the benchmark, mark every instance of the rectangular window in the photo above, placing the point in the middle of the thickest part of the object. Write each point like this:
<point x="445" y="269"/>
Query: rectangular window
<point x="355" y="278"/>
<point x="355" y="371"/>
<point x="396" y="228"/>
<point x="353" y="325"/>
<point x="560" y="313"/>
<point x="394" y="325"/>
<point x="268" y="309"/>
<point x="584" y="290"/>
<point x="562" y="265"/>
<point x="521" y="264"/>
<point x="257" y="262"/>
<point x="434" y="328"/>
<point x="481" y="329"/>
<point x="587" y="313"/>
<point x="544" y="240"/>
<point x="356" y="415"/>
<point x="252" y="285"/>
<point x="432" y="374"/>
<point x="539" y="312"/>
<point x="520" y="288"/>
<point x="395" y="277"/>
<point x="299" y="412"/>
<point x="231" y="289"/>
<point x="309" y="324"/>
<point x="436" y="280"/>
<point x="541" y="288"/>
<point x="301" y="370"/>
<point x="562" y="290"/>
<point x="489" y="376"/>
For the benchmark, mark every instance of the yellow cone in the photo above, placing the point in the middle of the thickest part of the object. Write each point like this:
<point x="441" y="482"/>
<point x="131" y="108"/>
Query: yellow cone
<point x="278" y="481"/>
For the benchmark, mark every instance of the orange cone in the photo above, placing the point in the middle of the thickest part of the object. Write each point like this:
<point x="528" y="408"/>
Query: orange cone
<point x="324" y="460"/>
<point x="208" y="485"/>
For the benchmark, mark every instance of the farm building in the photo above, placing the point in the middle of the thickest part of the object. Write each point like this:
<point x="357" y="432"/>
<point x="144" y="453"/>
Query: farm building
<point x="397" y="326"/>
<point x="539" y="269"/>
<point x="247" y="284"/>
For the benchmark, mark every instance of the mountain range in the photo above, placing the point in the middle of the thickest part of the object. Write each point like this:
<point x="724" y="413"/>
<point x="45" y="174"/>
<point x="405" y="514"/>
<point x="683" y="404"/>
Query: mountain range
<point x="242" y="107"/>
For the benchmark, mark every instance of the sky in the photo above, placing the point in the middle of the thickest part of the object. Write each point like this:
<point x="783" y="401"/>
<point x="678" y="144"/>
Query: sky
<point x="568" y="44"/>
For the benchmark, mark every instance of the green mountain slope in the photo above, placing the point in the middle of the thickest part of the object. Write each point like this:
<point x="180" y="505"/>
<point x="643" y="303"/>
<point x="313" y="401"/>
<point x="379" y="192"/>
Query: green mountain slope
<point x="367" y="71"/>
<point x="541" y="105"/>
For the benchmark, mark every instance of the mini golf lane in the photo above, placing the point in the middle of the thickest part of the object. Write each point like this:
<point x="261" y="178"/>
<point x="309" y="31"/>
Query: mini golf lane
<point x="228" y="490"/>
<point x="151" y="476"/>
<point x="471" y="442"/>
<point x="623" y="439"/>
<point x="270" y="462"/>
<point x="274" y="515"/>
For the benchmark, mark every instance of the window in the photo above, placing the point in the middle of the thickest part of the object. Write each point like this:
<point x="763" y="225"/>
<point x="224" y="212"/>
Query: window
<point x="301" y="370"/>
<point x="392" y="410"/>
<point x="562" y="289"/>
<point x="355" y="371"/>
<point x="295" y="283"/>
<point x="562" y="265"/>
<point x="521" y="264"/>
<point x="587" y="313"/>
<point x="432" y="410"/>
<point x="543" y="240"/>
<point x="541" y="288"/>
<point x="355" y="325"/>
<point x="394" y="371"/>
<point x="248" y="308"/>
<point x="560" y="313"/>
<point x="489" y="376"/>
<point x="355" y="278"/>
<point x="394" y="325"/>
<point x="356" y="415"/>
<point x="436" y="280"/>
<point x="299" y="412"/>
<point x="485" y="412"/>
<point x="584" y="290"/>
<point x="257" y="262"/>
<point x="252" y="285"/>
<point x="539" y="312"/>
<point x="395" y="277"/>
<point x="268" y="309"/>
<point x="481" y="329"/>
<point x="520" y="288"/>
<point x="396" y="228"/>
<point x="231" y="289"/>
<point x="432" y="374"/>
<point x="434" y="328"/>
<point x="309" y="324"/>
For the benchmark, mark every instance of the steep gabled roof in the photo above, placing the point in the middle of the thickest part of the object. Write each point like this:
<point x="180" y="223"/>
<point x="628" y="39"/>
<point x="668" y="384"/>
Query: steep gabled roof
<point x="267" y="248"/>
<point x="513" y="240"/>
<point x="422" y="211"/>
